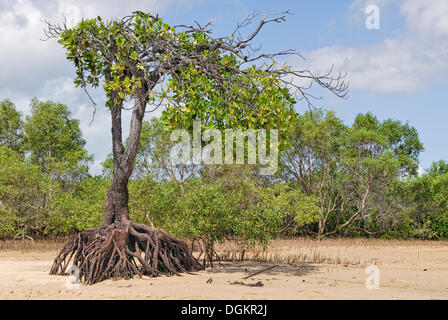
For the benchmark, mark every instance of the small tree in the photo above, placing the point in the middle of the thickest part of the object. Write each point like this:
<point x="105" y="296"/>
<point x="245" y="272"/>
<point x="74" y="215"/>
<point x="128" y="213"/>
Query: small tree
<point x="425" y="203"/>
<point x="215" y="79"/>
<point x="55" y="143"/>
<point x="25" y="195"/>
<point x="313" y="161"/>
<point x="11" y="126"/>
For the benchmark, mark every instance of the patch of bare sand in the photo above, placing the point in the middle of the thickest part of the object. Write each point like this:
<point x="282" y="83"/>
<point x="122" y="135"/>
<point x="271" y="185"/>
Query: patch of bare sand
<point x="330" y="269"/>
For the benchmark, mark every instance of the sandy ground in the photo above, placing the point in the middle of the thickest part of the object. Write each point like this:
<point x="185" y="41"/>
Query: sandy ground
<point x="326" y="270"/>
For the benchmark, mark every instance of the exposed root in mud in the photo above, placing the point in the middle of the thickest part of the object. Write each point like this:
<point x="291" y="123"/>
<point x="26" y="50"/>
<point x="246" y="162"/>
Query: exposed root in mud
<point x="207" y="250"/>
<point x="107" y="252"/>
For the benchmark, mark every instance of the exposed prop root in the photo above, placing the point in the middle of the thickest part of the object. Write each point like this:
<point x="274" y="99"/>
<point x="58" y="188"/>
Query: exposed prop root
<point x="107" y="252"/>
<point x="207" y="250"/>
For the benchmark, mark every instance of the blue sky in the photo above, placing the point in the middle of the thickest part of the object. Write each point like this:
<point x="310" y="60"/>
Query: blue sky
<point x="398" y="71"/>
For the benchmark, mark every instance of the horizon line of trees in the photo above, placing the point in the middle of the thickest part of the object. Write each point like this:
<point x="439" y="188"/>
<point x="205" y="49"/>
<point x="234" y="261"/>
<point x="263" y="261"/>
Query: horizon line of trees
<point x="334" y="180"/>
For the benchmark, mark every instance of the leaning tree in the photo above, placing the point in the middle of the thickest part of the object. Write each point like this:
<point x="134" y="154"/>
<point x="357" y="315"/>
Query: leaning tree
<point x="141" y="61"/>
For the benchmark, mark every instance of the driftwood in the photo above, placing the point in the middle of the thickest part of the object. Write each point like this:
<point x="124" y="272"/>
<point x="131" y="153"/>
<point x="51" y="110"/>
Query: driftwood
<point x="258" y="272"/>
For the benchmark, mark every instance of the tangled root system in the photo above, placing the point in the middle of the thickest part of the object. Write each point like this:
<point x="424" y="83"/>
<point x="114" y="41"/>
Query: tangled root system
<point x="108" y="252"/>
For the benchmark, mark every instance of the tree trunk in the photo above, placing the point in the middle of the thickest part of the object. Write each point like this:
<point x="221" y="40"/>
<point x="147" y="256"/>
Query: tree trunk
<point x="116" y="206"/>
<point x="116" y="209"/>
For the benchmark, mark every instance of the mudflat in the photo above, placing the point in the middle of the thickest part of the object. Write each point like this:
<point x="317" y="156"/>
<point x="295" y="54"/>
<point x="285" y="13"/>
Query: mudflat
<point x="304" y="269"/>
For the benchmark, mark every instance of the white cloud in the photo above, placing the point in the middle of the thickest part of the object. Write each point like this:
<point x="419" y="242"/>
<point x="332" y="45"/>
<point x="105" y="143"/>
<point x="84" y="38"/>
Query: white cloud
<point x="403" y="64"/>
<point x="427" y="16"/>
<point x="29" y="61"/>
<point x="390" y="66"/>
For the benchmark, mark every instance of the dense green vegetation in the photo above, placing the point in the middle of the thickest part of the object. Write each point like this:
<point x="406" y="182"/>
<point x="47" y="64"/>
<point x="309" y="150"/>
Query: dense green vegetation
<point x="334" y="180"/>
